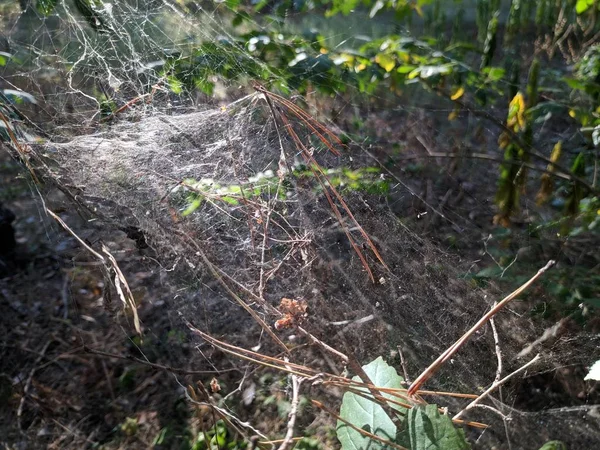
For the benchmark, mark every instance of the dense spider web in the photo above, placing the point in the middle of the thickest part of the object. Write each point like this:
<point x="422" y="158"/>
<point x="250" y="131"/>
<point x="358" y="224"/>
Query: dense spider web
<point x="262" y="228"/>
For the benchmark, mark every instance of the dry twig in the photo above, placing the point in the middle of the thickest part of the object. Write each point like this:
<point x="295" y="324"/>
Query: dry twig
<point x="110" y="264"/>
<point x="288" y="440"/>
<point x="494" y="385"/>
<point x="21" y="408"/>
<point x="445" y="356"/>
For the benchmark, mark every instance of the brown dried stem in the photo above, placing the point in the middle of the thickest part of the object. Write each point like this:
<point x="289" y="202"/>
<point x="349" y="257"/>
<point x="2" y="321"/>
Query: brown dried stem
<point x="445" y="356"/>
<point x="330" y="140"/>
<point x="496" y="384"/>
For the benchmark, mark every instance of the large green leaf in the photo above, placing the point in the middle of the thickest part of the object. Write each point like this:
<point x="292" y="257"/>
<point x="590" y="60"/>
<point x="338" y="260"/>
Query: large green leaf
<point x="366" y="414"/>
<point x="427" y="429"/>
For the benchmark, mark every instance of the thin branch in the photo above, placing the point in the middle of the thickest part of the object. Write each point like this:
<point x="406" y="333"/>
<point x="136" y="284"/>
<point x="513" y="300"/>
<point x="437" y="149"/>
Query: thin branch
<point x="403" y="364"/>
<point x="120" y="282"/>
<point x="486" y="157"/>
<point x="155" y="365"/>
<point x="495" y="411"/>
<point x="498" y="350"/>
<point x="494" y="385"/>
<point x="445" y="356"/>
<point x="72" y="233"/>
<point x="288" y="440"/>
<point x="497" y="347"/>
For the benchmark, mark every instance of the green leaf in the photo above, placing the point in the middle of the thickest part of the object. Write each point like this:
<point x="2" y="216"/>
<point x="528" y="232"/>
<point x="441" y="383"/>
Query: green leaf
<point x="582" y="5"/>
<point x="387" y="62"/>
<point x="430" y="71"/>
<point x="554" y="445"/>
<point x="232" y="4"/>
<point x="175" y="85"/>
<point x="205" y="86"/>
<point x="494" y="73"/>
<point x="406" y="68"/>
<point x="193" y="206"/>
<point x="17" y="96"/>
<point x="364" y="413"/>
<point x="45" y="7"/>
<point x="260" y="5"/>
<point x="4" y="57"/>
<point x="230" y="200"/>
<point x="427" y="429"/>
<point x="575" y="84"/>
<point x="342" y="6"/>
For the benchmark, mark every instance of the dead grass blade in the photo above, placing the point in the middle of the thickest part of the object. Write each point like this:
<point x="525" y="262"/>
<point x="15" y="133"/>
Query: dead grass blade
<point x="399" y="392"/>
<point x="123" y="290"/>
<point x="72" y="233"/>
<point x="330" y="140"/>
<point x="366" y="396"/>
<point x="257" y="358"/>
<point x="19" y="147"/>
<point x="109" y="263"/>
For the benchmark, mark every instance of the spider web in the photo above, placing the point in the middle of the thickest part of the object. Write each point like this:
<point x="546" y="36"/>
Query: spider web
<point x="219" y="193"/>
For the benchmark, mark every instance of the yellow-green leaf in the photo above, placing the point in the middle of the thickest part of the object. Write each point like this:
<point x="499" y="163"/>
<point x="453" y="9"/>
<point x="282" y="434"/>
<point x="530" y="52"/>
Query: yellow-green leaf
<point x="516" y="113"/>
<point x="387" y="62"/>
<point x="458" y="94"/>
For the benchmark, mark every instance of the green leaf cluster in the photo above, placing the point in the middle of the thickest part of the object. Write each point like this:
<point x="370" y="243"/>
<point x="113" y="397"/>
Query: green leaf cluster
<point x="367" y="179"/>
<point x="419" y="428"/>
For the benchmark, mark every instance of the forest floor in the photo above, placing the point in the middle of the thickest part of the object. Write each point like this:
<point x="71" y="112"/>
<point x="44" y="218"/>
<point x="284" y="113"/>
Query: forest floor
<point x="74" y="375"/>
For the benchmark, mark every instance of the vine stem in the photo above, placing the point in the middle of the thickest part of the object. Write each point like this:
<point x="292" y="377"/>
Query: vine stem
<point x="446" y="355"/>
